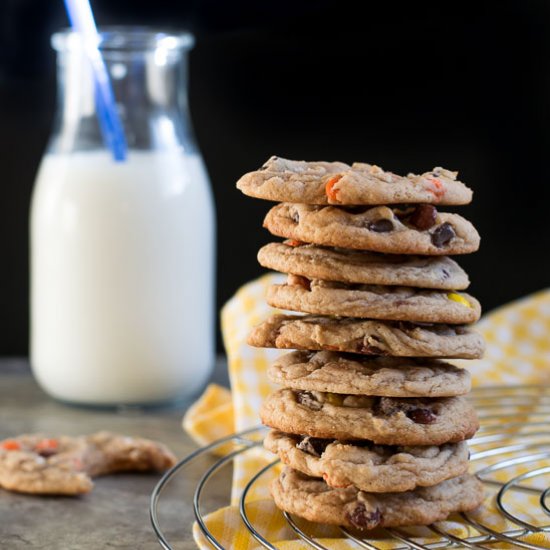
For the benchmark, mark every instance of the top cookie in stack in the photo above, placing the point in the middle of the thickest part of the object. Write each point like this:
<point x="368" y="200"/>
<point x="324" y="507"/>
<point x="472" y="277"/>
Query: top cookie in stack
<point x="283" y="180"/>
<point x="366" y="258"/>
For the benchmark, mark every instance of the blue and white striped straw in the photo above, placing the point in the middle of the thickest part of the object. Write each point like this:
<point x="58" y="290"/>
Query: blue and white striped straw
<point x="82" y="20"/>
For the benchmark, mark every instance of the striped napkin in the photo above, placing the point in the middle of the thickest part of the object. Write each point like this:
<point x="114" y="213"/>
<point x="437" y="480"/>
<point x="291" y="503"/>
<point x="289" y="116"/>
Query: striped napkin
<point x="518" y="352"/>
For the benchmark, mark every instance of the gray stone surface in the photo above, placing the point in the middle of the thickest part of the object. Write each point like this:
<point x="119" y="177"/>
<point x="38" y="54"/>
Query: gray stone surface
<point x="116" y="513"/>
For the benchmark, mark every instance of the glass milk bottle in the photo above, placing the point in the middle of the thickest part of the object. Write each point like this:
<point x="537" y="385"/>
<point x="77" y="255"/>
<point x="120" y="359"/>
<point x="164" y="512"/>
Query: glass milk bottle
<point x="122" y="253"/>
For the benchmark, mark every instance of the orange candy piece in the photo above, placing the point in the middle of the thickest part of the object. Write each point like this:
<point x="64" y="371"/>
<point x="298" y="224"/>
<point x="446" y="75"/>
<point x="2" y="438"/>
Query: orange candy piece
<point x="438" y="189"/>
<point x="47" y="444"/>
<point x="329" y="187"/>
<point x="11" y="445"/>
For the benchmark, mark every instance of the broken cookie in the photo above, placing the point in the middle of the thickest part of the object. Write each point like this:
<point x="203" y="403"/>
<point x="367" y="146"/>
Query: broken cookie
<point x="64" y="465"/>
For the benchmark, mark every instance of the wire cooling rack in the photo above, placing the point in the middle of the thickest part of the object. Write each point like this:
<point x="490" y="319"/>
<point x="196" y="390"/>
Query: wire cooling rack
<point x="510" y="454"/>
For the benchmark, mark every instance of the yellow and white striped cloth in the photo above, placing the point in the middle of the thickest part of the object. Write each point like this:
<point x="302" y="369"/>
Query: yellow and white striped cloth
<point x="518" y="352"/>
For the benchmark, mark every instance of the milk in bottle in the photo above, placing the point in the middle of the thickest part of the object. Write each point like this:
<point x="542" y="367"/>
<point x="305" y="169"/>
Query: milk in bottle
<point x="122" y="253"/>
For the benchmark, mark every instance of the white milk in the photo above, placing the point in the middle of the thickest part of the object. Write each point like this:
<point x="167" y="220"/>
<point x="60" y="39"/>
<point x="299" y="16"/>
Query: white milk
<point x="122" y="277"/>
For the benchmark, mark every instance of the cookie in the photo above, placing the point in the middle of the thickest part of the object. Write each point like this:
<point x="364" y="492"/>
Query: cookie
<point x="327" y="371"/>
<point x="65" y="465"/>
<point x="358" y="266"/>
<point x="369" y="467"/>
<point x="314" y="500"/>
<point x="338" y="183"/>
<point x="383" y="420"/>
<point x="378" y="228"/>
<point x="393" y="303"/>
<point x="399" y="339"/>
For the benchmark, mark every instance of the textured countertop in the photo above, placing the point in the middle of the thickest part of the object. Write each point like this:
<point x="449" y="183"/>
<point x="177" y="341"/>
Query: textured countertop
<point x="116" y="513"/>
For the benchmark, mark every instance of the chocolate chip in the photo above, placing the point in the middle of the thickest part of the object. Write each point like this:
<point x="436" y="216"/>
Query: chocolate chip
<point x="422" y="416"/>
<point x="423" y="217"/>
<point x="313" y="445"/>
<point x="445" y="273"/>
<point x="361" y="518"/>
<point x="294" y="216"/>
<point x="307" y="399"/>
<point x="46" y="453"/>
<point x="418" y="410"/>
<point x="443" y="235"/>
<point x="380" y="226"/>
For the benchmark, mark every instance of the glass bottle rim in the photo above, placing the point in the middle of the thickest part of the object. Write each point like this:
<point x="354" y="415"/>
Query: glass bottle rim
<point x="127" y="39"/>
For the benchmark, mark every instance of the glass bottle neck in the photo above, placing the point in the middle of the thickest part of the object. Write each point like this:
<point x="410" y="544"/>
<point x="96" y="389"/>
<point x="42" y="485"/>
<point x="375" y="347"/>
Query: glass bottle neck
<point x="150" y="88"/>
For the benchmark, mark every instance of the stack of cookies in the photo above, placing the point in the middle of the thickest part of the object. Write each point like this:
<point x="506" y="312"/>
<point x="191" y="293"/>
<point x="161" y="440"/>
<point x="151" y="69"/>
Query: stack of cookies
<point x="371" y="420"/>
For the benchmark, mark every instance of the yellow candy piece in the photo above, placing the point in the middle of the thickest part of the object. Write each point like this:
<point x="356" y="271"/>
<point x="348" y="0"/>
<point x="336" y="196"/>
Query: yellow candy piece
<point x="458" y="298"/>
<point x="335" y="399"/>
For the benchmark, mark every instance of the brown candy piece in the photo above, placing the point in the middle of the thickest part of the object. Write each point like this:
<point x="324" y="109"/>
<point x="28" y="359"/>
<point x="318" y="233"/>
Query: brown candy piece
<point x="424" y="216"/>
<point x="363" y="519"/>
<point x="422" y="416"/>
<point x="381" y="226"/>
<point x="443" y="235"/>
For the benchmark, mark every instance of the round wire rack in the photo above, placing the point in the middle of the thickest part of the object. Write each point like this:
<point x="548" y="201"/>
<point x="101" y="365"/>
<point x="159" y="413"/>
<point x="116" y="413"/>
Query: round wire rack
<point x="510" y="454"/>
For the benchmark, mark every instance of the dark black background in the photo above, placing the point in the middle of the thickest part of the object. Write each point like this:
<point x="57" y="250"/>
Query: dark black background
<point x="404" y="85"/>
